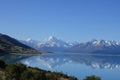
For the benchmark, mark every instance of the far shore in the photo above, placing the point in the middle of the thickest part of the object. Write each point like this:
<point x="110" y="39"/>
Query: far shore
<point x="30" y="54"/>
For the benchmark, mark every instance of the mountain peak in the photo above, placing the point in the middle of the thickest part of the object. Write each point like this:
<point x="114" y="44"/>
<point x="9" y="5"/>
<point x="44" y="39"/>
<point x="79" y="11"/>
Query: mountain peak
<point x="103" y="42"/>
<point x="29" y="39"/>
<point x="51" y="38"/>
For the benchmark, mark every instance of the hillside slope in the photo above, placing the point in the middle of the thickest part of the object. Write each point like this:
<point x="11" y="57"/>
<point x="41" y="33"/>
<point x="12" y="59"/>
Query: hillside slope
<point x="19" y="71"/>
<point x="11" y="45"/>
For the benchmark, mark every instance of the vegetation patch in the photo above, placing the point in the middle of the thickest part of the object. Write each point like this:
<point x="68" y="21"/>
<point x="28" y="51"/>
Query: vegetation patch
<point x="18" y="71"/>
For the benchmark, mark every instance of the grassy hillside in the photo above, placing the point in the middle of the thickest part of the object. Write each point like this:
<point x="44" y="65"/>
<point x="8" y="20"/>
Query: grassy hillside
<point x="18" y="71"/>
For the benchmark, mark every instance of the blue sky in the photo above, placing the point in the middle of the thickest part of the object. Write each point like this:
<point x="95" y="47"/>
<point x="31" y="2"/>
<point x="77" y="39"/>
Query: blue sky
<point x="70" y="20"/>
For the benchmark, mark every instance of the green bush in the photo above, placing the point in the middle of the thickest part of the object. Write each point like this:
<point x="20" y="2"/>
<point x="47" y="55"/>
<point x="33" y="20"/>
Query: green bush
<point x="13" y="71"/>
<point x="2" y="64"/>
<point x="92" y="78"/>
<point x="21" y="67"/>
<point x="32" y="75"/>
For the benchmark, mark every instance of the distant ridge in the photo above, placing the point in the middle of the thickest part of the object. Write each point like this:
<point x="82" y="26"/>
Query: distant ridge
<point x="97" y="46"/>
<point x="94" y="46"/>
<point x="50" y="44"/>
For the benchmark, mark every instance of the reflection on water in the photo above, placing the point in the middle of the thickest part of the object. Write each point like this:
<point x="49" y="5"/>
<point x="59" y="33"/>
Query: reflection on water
<point x="11" y="58"/>
<point x="78" y="65"/>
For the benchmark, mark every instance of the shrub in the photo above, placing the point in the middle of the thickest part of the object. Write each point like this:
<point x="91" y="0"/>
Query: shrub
<point x="13" y="71"/>
<point x="32" y="75"/>
<point x="2" y="64"/>
<point x="92" y="78"/>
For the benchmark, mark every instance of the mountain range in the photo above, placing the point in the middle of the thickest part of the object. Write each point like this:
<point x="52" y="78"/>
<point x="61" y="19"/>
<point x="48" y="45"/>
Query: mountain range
<point x="97" y="46"/>
<point x="53" y="44"/>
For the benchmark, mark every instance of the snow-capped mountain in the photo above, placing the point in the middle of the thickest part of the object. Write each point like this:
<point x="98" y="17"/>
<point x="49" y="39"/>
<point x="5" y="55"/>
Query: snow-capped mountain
<point x="53" y="44"/>
<point x="97" y="46"/>
<point x="103" y="43"/>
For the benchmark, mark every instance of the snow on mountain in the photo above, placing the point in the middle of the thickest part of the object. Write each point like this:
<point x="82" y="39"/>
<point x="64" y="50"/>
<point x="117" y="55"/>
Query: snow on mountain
<point x="96" y="46"/>
<point x="30" y="42"/>
<point x="54" y="44"/>
<point x="50" y="44"/>
<point x="104" y="43"/>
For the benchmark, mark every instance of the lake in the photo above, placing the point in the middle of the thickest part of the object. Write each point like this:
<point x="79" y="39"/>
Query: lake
<point x="77" y="64"/>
